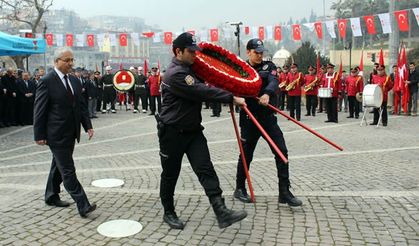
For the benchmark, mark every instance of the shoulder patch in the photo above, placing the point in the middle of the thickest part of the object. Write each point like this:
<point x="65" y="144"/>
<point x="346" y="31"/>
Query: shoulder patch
<point x="189" y="80"/>
<point x="265" y="67"/>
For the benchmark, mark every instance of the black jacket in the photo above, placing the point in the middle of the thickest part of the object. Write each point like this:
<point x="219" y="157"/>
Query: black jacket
<point x="57" y="117"/>
<point x="22" y="90"/>
<point x="414" y="80"/>
<point x="91" y="88"/>
<point x="183" y="94"/>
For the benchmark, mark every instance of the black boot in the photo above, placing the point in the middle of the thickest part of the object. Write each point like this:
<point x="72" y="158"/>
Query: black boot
<point x="285" y="195"/>
<point x="225" y="217"/>
<point x="242" y="195"/>
<point x="173" y="221"/>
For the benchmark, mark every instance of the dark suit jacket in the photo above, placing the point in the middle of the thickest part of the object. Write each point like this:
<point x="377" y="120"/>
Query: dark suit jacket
<point x="22" y="90"/>
<point x="57" y="118"/>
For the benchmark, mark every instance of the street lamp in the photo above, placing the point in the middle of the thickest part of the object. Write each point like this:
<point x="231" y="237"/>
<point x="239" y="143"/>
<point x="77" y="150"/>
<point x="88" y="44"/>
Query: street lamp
<point x="237" y="33"/>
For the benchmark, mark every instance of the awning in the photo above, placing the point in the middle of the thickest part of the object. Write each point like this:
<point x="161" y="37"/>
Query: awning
<point x="14" y="45"/>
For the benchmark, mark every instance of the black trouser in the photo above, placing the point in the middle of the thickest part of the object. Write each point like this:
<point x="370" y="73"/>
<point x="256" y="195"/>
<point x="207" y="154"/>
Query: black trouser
<point x="250" y="135"/>
<point x="216" y="108"/>
<point x="2" y="107"/>
<point x="281" y="99"/>
<point x="143" y="96"/>
<point x="64" y="171"/>
<point x="99" y="99"/>
<point x="294" y="103"/>
<point x="311" y="104"/>
<point x="332" y="108"/>
<point x="174" y="143"/>
<point x="10" y="106"/>
<point x="26" y="112"/>
<point x="109" y="96"/>
<point x="321" y="105"/>
<point x="384" y="116"/>
<point x="153" y="100"/>
<point x="353" y="106"/>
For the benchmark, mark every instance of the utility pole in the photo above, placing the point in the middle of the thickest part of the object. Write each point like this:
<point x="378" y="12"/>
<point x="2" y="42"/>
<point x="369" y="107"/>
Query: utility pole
<point x="237" y="34"/>
<point x="394" y="38"/>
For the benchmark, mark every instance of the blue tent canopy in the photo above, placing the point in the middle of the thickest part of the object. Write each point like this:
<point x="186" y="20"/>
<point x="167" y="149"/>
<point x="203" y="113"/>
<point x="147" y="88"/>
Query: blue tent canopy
<point x="14" y="45"/>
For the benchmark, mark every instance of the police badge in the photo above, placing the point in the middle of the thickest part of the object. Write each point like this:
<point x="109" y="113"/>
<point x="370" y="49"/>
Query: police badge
<point x="189" y="80"/>
<point x="265" y="67"/>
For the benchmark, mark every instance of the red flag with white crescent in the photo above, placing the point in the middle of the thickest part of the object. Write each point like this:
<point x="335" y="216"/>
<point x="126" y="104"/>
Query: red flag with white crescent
<point x="277" y="33"/>
<point x="342" y="27"/>
<point x="296" y="32"/>
<point x="69" y="40"/>
<point x="261" y="32"/>
<point x="90" y="40"/>
<point x="148" y="34"/>
<point x="402" y="20"/>
<point x="168" y="36"/>
<point x="369" y="22"/>
<point x="214" y="35"/>
<point x="123" y="39"/>
<point x="319" y="29"/>
<point x="50" y="39"/>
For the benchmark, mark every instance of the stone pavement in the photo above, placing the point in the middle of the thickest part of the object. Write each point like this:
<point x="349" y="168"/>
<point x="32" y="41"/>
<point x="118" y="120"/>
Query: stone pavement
<point x="366" y="195"/>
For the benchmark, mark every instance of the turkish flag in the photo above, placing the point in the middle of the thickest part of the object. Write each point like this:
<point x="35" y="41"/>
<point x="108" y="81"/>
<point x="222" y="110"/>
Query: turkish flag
<point x="261" y="32"/>
<point x="90" y="40"/>
<point x="277" y="33"/>
<point x="369" y="22"/>
<point x="319" y="29"/>
<point x="342" y="27"/>
<point x="214" y="35"/>
<point x="50" y="38"/>
<point x="402" y="20"/>
<point x="69" y="40"/>
<point x="148" y="34"/>
<point x="246" y="30"/>
<point x="123" y="39"/>
<point x="168" y="36"/>
<point x="296" y="32"/>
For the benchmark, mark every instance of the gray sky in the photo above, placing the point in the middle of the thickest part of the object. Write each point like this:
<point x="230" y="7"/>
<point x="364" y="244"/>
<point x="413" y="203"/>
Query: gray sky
<point x="174" y="15"/>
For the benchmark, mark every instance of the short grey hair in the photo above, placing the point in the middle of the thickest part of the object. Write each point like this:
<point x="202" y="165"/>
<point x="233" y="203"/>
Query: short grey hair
<point x="59" y="51"/>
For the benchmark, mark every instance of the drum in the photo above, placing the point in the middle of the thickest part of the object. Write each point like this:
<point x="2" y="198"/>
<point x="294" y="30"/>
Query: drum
<point x="372" y="96"/>
<point x="325" y="92"/>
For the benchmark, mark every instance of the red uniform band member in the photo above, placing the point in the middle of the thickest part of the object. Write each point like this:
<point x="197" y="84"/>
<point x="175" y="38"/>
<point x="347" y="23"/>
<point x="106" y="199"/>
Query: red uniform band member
<point x="311" y="88"/>
<point x="331" y="80"/>
<point x="294" y="82"/>
<point x="354" y="84"/>
<point x="282" y="84"/>
<point x="386" y="85"/>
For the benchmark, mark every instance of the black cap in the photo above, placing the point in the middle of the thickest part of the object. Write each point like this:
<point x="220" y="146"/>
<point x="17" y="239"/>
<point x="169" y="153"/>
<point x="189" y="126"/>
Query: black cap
<point x="256" y="44"/>
<point x="186" y="40"/>
<point x="97" y="73"/>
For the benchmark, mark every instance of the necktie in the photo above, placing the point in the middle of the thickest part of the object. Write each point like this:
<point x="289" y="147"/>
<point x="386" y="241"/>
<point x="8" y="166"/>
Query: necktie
<point x="67" y="85"/>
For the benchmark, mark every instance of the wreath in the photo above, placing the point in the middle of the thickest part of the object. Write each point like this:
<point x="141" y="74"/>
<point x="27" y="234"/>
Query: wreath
<point x="123" y="80"/>
<point x="221" y="68"/>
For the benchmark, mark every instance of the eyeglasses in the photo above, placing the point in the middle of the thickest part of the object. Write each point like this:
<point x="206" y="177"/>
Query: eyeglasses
<point x="67" y="60"/>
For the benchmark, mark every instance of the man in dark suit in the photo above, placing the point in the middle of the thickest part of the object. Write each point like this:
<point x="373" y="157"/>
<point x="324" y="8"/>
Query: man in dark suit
<point x="59" y="111"/>
<point x="26" y="95"/>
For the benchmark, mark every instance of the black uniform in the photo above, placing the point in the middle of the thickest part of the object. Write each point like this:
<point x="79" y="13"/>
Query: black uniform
<point x="10" y="114"/>
<point x="109" y="92"/>
<point x="99" y="93"/>
<point x="180" y="130"/>
<point x="250" y="135"/>
<point x="26" y="103"/>
<point x="2" y="102"/>
<point x="140" y="92"/>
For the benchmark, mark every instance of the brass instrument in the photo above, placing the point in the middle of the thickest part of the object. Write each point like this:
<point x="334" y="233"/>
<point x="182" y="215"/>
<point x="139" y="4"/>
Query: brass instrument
<point x="311" y="85"/>
<point x="291" y="85"/>
<point x="282" y="84"/>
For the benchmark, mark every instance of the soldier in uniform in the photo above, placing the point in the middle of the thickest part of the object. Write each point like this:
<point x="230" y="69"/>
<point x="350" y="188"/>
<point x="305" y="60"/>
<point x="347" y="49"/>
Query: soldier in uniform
<point x="312" y="84"/>
<point x="99" y="90"/>
<point x="140" y="91"/>
<point x="354" y="84"/>
<point x="331" y="80"/>
<point x="320" y="74"/>
<point x="180" y="132"/>
<point x="386" y="85"/>
<point x="294" y="82"/>
<point x="250" y="134"/>
<point x="109" y="92"/>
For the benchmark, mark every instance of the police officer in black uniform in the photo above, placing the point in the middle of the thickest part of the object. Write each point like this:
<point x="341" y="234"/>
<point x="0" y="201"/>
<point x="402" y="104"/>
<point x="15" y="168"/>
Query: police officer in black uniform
<point x="250" y="134"/>
<point x="99" y="90"/>
<point x="180" y="132"/>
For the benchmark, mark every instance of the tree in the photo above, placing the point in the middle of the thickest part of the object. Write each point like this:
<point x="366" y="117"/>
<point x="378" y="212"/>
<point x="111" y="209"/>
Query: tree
<point x="24" y="14"/>
<point x="413" y="55"/>
<point x="305" y="56"/>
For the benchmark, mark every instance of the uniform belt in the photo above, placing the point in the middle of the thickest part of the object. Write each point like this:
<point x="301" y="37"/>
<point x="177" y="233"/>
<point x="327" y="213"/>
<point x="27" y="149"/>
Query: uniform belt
<point x="108" y="85"/>
<point x="139" y="86"/>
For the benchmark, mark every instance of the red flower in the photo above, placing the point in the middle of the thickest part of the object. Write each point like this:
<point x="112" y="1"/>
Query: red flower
<point x="221" y="68"/>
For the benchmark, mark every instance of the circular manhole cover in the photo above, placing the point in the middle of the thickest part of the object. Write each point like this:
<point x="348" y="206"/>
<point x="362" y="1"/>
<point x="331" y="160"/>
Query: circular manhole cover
<point x="119" y="228"/>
